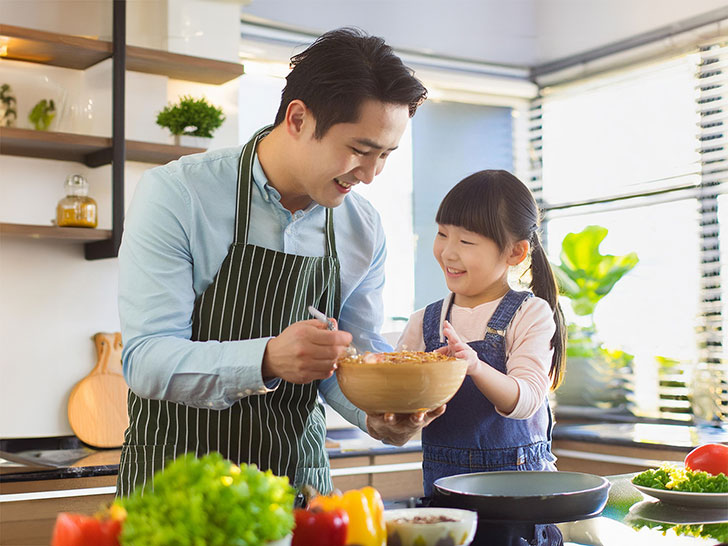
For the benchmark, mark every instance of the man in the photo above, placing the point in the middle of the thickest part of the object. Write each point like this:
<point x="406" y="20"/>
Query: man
<point x="223" y="253"/>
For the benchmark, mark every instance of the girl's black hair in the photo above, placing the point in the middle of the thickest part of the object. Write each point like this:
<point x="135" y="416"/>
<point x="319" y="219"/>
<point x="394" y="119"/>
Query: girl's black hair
<point x="342" y="69"/>
<point x="499" y="206"/>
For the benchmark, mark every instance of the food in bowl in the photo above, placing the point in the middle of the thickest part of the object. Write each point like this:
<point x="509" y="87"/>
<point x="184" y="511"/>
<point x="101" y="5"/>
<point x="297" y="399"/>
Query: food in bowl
<point x="400" y="382"/>
<point x="430" y="526"/>
<point x="398" y="357"/>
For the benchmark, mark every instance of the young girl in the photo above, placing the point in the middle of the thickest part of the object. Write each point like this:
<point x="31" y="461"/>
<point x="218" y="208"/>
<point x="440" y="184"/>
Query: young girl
<point x="514" y="341"/>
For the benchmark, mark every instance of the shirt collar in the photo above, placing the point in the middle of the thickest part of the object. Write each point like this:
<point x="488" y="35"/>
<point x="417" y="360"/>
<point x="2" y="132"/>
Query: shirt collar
<point x="269" y="192"/>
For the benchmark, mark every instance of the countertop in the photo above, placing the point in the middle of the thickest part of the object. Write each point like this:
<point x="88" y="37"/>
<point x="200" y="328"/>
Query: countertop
<point x="67" y="457"/>
<point x="30" y="459"/>
<point x="657" y="436"/>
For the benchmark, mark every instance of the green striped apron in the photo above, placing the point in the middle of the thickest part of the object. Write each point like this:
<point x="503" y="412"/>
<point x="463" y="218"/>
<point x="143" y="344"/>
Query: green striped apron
<point x="257" y="292"/>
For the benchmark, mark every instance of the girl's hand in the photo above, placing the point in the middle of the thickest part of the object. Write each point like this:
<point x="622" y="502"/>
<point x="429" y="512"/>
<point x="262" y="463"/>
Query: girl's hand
<point x="459" y="349"/>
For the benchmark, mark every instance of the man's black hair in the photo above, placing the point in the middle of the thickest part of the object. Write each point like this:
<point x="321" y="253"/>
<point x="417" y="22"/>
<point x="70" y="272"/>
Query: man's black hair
<point x="342" y="69"/>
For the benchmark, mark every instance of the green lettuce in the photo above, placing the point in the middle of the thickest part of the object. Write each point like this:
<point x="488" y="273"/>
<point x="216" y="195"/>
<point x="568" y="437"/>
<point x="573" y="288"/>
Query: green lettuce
<point x="209" y="502"/>
<point x="682" y="479"/>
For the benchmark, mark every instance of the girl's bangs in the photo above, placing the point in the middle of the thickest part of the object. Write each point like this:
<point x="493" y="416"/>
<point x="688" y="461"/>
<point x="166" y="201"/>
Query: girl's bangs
<point x="473" y="211"/>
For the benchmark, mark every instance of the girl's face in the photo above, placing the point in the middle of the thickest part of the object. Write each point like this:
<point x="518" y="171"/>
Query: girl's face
<point x="475" y="268"/>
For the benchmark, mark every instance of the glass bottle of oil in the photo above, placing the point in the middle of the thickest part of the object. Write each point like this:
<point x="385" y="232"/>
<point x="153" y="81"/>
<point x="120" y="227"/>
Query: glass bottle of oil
<point x="77" y="209"/>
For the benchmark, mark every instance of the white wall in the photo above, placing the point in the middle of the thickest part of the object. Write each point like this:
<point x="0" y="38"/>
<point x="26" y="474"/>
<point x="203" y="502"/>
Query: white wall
<point x="52" y="300"/>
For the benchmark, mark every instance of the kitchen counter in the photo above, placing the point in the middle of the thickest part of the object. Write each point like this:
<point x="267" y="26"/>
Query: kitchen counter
<point x="67" y="457"/>
<point x="654" y="436"/>
<point x="31" y="459"/>
<point x="40" y="477"/>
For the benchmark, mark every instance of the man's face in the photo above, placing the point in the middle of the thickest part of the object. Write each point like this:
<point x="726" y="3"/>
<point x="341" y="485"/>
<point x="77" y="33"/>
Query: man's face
<point x="349" y="153"/>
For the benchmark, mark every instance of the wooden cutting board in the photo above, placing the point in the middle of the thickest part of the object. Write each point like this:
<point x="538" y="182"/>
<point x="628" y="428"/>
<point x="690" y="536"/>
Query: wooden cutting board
<point x="97" y="405"/>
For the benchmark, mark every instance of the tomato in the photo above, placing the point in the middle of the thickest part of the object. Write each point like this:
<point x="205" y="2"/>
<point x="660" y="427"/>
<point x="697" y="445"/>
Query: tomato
<point x="320" y="527"/>
<point x="81" y="530"/>
<point x="710" y="458"/>
<point x="66" y="531"/>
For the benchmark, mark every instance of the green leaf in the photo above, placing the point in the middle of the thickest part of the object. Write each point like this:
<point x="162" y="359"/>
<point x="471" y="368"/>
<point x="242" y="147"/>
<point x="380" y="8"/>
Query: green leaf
<point x="42" y="114"/>
<point x="567" y="286"/>
<point x="584" y="275"/>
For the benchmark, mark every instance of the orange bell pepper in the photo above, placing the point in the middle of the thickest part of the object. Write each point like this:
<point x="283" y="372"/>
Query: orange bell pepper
<point x="366" y="515"/>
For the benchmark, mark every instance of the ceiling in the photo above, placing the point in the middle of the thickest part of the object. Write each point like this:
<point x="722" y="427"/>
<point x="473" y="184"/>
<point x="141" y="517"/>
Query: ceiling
<point x="523" y="33"/>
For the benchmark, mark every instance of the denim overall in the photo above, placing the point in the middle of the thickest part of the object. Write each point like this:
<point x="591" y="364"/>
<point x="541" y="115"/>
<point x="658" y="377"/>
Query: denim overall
<point x="471" y="436"/>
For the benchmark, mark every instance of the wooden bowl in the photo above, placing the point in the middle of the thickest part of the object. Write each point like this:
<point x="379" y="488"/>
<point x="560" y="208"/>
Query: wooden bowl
<point x="400" y="387"/>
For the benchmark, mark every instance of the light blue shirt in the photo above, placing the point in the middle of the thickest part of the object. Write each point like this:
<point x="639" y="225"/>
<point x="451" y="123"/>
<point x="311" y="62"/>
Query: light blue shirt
<point x="177" y="232"/>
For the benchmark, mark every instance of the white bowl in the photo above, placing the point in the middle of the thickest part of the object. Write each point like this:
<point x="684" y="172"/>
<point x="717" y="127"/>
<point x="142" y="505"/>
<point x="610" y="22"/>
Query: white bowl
<point x="402" y="530"/>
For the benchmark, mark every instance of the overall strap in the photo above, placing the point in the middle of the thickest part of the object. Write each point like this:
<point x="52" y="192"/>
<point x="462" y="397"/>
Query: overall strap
<point x="431" y="325"/>
<point x="505" y="311"/>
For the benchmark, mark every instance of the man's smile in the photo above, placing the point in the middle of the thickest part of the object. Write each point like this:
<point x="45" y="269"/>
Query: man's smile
<point x="345" y="185"/>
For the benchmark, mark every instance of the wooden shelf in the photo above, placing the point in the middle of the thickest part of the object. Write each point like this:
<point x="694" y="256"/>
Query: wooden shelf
<point x="151" y="152"/>
<point x="50" y="145"/>
<point x="181" y="67"/>
<point x="89" y="150"/>
<point x="63" y="234"/>
<point x="38" y="46"/>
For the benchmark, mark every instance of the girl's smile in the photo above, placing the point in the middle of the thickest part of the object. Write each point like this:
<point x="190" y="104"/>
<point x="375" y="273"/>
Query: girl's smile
<point x="451" y="272"/>
<point x="475" y="269"/>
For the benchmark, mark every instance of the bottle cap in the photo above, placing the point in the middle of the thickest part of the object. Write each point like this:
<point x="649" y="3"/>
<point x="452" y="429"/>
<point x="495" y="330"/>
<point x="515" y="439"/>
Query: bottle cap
<point x="76" y="184"/>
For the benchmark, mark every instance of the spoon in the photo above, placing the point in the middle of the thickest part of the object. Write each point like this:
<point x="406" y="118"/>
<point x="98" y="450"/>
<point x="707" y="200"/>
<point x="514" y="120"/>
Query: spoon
<point x="330" y="324"/>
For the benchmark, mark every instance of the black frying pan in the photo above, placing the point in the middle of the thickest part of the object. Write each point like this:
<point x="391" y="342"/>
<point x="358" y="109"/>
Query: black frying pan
<point x="522" y="496"/>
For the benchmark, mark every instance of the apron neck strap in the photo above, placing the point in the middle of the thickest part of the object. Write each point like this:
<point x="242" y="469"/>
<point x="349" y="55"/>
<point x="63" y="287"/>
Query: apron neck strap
<point x="245" y="181"/>
<point x="330" y="238"/>
<point x="244" y="192"/>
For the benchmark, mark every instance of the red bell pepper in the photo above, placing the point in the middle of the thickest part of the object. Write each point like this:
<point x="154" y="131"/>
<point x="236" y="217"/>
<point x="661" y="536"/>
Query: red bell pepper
<point x="320" y="527"/>
<point x="82" y="530"/>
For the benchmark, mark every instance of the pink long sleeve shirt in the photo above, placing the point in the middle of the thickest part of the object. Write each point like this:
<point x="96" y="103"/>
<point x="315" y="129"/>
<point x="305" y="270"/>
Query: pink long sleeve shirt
<point x="528" y="344"/>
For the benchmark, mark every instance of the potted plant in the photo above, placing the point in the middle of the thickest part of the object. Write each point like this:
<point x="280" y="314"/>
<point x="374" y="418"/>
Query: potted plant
<point x="8" y="114"/>
<point x="596" y="376"/>
<point x="42" y="114"/>
<point x="191" y="117"/>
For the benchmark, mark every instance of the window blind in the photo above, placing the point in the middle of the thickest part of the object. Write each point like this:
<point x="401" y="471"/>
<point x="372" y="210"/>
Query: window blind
<point x="711" y="396"/>
<point x="653" y="139"/>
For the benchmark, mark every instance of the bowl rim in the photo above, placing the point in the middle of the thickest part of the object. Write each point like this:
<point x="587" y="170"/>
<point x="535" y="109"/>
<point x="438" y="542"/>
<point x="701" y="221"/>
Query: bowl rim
<point x="467" y="515"/>
<point x="602" y="484"/>
<point x="422" y="364"/>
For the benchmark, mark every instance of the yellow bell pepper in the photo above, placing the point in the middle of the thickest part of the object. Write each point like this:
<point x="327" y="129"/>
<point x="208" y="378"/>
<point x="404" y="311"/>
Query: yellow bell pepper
<point x="366" y="515"/>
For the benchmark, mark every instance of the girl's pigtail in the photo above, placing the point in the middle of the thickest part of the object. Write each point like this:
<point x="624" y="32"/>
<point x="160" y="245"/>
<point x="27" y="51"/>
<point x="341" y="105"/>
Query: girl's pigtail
<point x="543" y="285"/>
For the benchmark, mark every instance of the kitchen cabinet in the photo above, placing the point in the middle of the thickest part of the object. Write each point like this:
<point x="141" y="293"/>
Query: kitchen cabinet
<point x="605" y="460"/>
<point x="30" y="519"/>
<point x="79" y="53"/>
<point x="395" y="475"/>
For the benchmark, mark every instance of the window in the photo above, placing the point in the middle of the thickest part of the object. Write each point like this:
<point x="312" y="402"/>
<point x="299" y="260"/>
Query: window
<point x="641" y="152"/>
